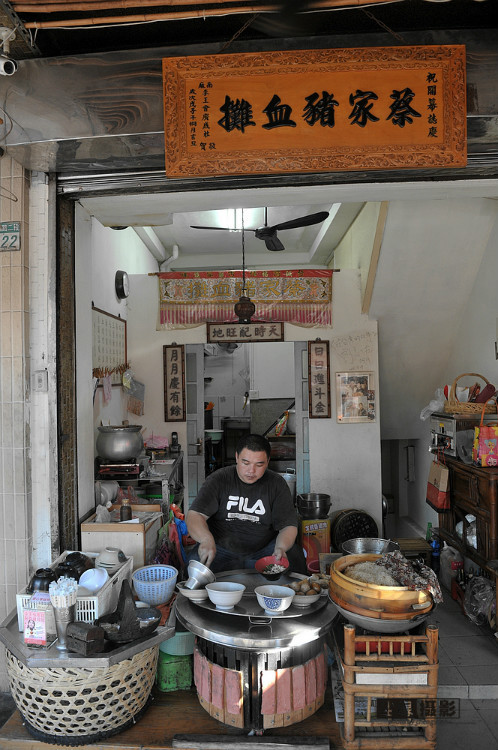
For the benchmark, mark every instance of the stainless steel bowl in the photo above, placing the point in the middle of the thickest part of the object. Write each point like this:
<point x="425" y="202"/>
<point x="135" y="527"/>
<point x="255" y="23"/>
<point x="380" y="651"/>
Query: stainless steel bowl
<point x="367" y="546"/>
<point x="199" y="575"/>
<point x="313" y="504"/>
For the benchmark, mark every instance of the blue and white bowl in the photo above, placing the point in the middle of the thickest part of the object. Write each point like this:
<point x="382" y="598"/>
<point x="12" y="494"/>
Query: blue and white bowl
<point x="274" y="599"/>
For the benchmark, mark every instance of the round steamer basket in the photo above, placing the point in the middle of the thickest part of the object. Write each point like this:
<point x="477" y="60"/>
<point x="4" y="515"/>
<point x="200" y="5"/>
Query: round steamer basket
<point x="82" y="706"/>
<point x="371" y="599"/>
<point x="351" y="524"/>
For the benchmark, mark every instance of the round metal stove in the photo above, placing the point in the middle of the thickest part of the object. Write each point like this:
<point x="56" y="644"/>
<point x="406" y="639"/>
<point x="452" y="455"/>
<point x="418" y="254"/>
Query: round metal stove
<point x="256" y="671"/>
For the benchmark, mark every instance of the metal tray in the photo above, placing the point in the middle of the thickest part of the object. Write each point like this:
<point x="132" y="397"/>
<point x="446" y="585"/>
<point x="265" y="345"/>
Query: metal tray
<point x="249" y="605"/>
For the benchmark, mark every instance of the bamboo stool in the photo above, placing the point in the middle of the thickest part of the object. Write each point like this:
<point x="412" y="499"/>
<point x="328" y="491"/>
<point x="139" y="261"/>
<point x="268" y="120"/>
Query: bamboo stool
<point x="389" y="655"/>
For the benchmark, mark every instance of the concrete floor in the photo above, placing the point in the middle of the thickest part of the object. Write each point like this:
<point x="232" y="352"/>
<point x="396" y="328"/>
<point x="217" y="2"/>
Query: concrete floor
<point x="468" y="673"/>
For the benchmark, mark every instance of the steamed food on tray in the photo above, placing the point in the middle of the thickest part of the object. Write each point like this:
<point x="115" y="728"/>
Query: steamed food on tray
<point x="369" y="572"/>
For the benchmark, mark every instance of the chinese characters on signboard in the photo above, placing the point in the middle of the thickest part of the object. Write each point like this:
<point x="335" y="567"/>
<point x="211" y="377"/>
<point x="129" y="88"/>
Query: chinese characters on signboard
<point x="174" y="383"/>
<point x="355" y="396"/>
<point x="318" y="379"/>
<point x="315" y="110"/>
<point x="245" y="332"/>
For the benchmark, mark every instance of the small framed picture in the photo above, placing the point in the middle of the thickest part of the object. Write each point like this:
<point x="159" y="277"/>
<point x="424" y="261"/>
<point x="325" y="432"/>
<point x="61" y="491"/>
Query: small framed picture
<point x="355" y="397"/>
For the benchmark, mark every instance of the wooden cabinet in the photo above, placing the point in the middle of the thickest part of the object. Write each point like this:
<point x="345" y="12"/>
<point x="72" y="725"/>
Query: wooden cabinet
<point x="474" y="490"/>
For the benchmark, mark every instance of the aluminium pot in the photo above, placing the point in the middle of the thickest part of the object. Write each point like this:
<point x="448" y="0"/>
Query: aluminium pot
<point x="121" y="443"/>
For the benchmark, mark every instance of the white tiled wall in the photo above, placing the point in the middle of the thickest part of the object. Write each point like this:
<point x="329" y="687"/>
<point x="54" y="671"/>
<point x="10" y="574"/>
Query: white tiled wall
<point x="15" y="467"/>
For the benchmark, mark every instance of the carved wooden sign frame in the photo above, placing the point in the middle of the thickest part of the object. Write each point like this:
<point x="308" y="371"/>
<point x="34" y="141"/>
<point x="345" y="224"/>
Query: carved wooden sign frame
<point x="315" y="111"/>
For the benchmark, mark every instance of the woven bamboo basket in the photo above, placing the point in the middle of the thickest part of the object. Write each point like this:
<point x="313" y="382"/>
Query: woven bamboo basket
<point x="371" y="599"/>
<point x="454" y="406"/>
<point x="73" y="706"/>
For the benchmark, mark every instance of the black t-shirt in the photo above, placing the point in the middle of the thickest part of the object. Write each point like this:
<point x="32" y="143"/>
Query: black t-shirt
<point x="245" y="517"/>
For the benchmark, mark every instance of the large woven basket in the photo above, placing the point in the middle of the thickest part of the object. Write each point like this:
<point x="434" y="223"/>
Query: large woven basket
<point x="73" y="706"/>
<point x="454" y="406"/>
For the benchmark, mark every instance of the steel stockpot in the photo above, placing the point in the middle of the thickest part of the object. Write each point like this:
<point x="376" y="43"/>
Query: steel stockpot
<point x="120" y="443"/>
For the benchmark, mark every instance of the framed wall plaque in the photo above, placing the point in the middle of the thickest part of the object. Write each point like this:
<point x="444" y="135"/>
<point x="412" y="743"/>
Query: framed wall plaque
<point x="244" y="332"/>
<point x="319" y="379"/>
<point x="355" y="397"/>
<point x="315" y="110"/>
<point x="174" y="383"/>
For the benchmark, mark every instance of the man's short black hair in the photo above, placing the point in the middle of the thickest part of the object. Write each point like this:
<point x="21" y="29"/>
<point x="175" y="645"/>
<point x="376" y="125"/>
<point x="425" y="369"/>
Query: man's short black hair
<point x="254" y="443"/>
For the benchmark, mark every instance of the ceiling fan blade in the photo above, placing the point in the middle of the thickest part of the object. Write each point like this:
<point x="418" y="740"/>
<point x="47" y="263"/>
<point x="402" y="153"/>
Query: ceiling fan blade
<point x="304" y="221"/>
<point x="273" y="243"/>
<point x="222" y="229"/>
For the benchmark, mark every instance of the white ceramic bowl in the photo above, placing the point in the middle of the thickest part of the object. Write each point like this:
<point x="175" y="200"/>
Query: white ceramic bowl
<point x="195" y="595"/>
<point x="225" y="594"/>
<point x="274" y="599"/>
<point x="303" y="600"/>
<point x="93" y="579"/>
<point x="109" y="559"/>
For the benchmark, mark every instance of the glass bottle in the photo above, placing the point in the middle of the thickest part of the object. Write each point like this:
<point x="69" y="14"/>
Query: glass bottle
<point x="125" y="510"/>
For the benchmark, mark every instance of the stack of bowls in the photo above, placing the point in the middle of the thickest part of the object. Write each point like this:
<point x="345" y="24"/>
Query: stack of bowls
<point x="199" y="575"/>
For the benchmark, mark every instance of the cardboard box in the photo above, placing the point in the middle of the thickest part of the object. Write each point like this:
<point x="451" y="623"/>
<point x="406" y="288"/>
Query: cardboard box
<point x="137" y="540"/>
<point x="314" y="535"/>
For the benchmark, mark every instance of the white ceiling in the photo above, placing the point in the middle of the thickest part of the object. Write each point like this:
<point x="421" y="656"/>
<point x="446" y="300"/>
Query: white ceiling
<point x="164" y="222"/>
<point x="435" y="237"/>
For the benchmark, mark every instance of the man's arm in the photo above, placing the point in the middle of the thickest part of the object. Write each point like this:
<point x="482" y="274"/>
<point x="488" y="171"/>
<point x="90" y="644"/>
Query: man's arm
<point x="199" y="530"/>
<point x="284" y="541"/>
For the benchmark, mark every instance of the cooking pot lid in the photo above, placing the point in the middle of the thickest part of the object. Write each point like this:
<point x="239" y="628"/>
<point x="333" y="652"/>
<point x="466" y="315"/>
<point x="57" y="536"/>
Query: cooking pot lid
<point x="351" y="524"/>
<point x="124" y="428"/>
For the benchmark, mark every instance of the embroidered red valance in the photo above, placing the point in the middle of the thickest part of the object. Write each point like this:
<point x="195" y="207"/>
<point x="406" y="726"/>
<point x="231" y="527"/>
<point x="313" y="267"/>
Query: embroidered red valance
<point x="301" y="297"/>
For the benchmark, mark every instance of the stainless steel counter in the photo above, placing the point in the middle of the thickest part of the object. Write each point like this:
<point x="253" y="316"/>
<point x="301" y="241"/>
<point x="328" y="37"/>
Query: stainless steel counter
<point x="240" y="632"/>
<point x="53" y="658"/>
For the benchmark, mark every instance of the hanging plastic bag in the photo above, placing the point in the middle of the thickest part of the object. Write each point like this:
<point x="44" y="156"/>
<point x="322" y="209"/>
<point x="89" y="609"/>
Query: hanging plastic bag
<point x="479" y="594"/>
<point x="281" y="427"/>
<point x="438" y="487"/>
<point x="436" y="405"/>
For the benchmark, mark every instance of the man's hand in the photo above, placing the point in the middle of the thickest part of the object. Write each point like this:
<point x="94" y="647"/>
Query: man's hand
<point x="279" y="553"/>
<point x="207" y="551"/>
<point x="284" y="541"/>
<point x="199" y="530"/>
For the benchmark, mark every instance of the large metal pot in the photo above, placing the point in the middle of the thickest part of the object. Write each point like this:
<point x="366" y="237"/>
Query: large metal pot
<point x="120" y="443"/>
<point x="313" y="504"/>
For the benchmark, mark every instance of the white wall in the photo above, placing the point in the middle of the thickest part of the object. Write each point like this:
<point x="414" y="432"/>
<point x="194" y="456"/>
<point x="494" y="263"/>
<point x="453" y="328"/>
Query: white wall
<point x="454" y="334"/>
<point x="100" y="252"/>
<point x="277" y="360"/>
<point x="344" y="459"/>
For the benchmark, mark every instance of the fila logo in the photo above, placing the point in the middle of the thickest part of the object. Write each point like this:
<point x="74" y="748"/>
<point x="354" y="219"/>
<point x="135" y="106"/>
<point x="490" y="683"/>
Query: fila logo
<point x="241" y="503"/>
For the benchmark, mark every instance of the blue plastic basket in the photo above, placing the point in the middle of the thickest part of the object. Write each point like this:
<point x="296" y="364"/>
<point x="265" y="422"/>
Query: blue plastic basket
<point x="155" y="584"/>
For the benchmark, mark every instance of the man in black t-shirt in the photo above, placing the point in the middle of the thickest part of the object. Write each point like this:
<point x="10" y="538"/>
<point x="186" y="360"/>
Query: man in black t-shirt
<point x="244" y="512"/>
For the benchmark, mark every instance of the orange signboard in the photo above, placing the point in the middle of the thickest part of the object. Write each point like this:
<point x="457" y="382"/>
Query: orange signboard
<point x="315" y="111"/>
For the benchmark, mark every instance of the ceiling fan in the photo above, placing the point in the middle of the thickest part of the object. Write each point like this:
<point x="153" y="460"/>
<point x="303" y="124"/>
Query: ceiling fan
<point x="269" y="234"/>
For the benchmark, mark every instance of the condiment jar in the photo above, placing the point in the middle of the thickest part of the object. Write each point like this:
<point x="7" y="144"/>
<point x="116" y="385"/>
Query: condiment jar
<point x="125" y="513"/>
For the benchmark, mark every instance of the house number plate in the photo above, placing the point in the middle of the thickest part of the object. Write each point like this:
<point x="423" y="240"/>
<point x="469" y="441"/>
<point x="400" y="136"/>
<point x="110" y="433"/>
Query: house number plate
<point x="10" y="236"/>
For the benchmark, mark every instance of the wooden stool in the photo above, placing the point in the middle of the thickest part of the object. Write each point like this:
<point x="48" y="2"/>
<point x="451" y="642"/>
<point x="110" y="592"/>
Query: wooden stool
<point x="415" y="547"/>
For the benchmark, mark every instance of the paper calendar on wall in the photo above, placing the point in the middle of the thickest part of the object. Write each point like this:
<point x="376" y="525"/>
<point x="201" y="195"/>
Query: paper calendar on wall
<point x="109" y="352"/>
